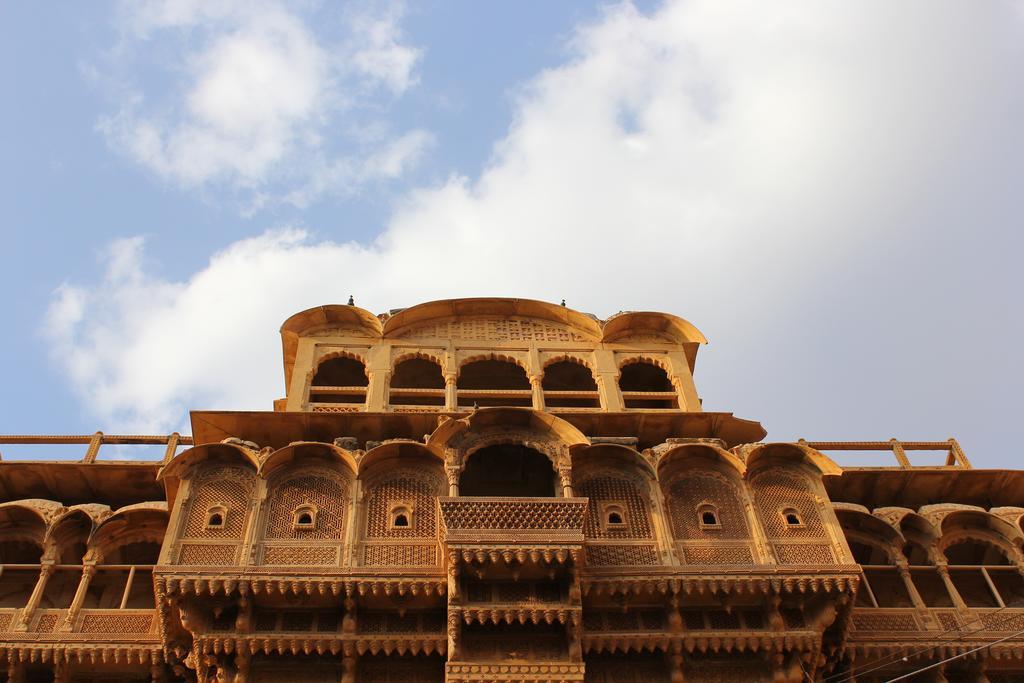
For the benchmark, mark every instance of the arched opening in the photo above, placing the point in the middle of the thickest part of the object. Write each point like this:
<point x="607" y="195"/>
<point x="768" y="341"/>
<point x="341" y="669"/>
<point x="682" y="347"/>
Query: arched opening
<point x="646" y="385"/>
<point x="304" y="518"/>
<point x="16" y="585"/>
<point x="400" y="518"/>
<point x="124" y="588"/>
<point x="973" y="583"/>
<point x="339" y="380"/>
<point x="975" y="552"/>
<point x="215" y="517"/>
<point x="493" y="382"/>
<point x="708" y="516"/>
<point x="508" y="470"/>
<point x="868" y="553"/>
<point x="417" y="382"/>
<point x="568" y="384"/>
<point x="916" y="554"/>
<point x="792" y="517"/>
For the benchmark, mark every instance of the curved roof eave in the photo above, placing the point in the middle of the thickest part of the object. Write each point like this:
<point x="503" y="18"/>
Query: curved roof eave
<point x="307" y="321"/>
<point x="203" y="451"/>
<point x="682" y="331"/>
<point x="282" y="456"/>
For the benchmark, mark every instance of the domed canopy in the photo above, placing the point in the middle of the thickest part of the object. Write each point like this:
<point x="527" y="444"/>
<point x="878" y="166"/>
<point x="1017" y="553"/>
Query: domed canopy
<point x="343" y="319"/>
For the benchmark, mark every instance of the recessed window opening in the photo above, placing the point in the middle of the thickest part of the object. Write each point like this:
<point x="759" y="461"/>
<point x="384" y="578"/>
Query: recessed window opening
<point x="569" y="376"/>
<point x="417" y="374"/>
<point x="614" y="517"/>
<point x="639" y="377"/>
<point x="495" y="375"/>
<point x="707" y="515"/>
<point x="340" y="371"/>
<point x="305" y="517"/>
<point x="508" y="470"/>
<point x="792" y="517"/>
<point x="401" y="516"/>
<point x="216" y="516"/>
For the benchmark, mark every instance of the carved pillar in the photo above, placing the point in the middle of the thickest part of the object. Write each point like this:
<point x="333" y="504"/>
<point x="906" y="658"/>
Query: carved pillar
<point x="377" y="389"/>
<point x="454" y="630"/>
<point x="452" y="472"/>
<point x="352" y="536"/>
<point x="348" y="622"/>
<point x="451" y="401"/>
<point x="943" y="570"/>
<point x="61" y="671"/>
<point x="15" y="670"/>
<point x="608" y="386"/>
<point x="242" y="664"/>
<point x="908" y="581"/>
<point x="302" y="372"/>
<point x="348" y="664"/>
<point x="682" y="381"/>
<point x="538" y="391"/>
<point x="662" y="525"/>
<point x="45" y="571"/>
<point x="565" y="480"/>
<point x="251" y="539"/>
<point x="454" y="595"/>
<point x="675" y="663"/>
<point x="88" y="571"/>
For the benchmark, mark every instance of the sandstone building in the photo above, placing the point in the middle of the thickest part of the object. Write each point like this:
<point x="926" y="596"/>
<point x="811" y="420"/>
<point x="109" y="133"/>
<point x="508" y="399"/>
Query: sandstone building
<point x="503" y="490"/>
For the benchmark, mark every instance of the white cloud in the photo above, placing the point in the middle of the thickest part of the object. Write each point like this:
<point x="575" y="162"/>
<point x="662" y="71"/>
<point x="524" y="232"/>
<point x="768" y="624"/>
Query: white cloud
<point x="742" y="165"/>
<point x="254" y="94"/>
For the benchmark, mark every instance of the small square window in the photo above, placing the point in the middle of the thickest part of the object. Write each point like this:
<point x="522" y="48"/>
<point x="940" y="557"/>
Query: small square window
<point x="401" y="517"/>
<point x="304" y="518"/>
<point x="614" y="518"/>
<point x="792" y="518"/>
<point x="216" y="516"/>
<point x="707" y="517"/>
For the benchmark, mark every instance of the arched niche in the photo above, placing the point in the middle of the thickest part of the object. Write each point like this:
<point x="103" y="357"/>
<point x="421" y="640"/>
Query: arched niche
<point x="70" y="533"/>
<point x="569" y="374"/>
<point x="401" y="482"/>
<point x="617" y="482"/>
<point x="492" y="372"/>
<point x="417" y="372"/>
<point x="872" y="541"/>
<point x="704" y="496"/>
<point x="976" y="537"/>
<point x="131" y="535"/>
<point x="643" y="381"/>
<point x="305" y="453"/>
<point x="23" y="528"/>
<point x="508" y="469"/>
<point x="220" y="503"/>
<point x="320" y="489"/>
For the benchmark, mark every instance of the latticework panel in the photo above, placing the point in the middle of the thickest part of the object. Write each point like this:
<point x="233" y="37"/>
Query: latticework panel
<point x="900" y="621"/>
<point x="230" y="487"/>
<point x="813" y="553"/>
<point x="775" y="492"/>
<point x="207" y="555"/>
<point x="46" y="623"/>
<point x="711" y="554"/>
<point x="494" y="329"/>
<point x="407" y="488"/>
<point x="5" y="621"/>
<point x="606" y="489"/>
<point x="601" y="555"/>
<point x="300" y="555"/>
<point x="949" y="621"/>
<point x="424" y="555"/>
<point x="688" y="493"/>
<point x="117" y="623"/>
<point x="326" y="492"/>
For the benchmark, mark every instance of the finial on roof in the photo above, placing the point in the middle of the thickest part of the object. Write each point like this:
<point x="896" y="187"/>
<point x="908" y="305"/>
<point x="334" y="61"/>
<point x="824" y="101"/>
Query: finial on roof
<point x="563" y="302"/>
<point x="351" y="301"/>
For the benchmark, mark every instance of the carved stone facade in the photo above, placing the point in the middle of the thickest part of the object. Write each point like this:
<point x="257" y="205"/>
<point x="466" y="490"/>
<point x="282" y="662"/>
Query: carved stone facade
<point x="502" y="490"/>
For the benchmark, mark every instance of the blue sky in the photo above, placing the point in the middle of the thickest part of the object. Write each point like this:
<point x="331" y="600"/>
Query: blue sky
<point x="830" y="191"/>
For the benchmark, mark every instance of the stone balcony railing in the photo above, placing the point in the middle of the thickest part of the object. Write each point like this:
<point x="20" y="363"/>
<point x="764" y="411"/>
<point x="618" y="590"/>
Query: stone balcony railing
<point x="535" y="524"/>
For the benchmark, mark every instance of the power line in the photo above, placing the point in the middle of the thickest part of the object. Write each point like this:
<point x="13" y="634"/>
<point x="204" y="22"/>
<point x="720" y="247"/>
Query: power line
<point x="950" y="659"/>
<point x="892" y="659"/>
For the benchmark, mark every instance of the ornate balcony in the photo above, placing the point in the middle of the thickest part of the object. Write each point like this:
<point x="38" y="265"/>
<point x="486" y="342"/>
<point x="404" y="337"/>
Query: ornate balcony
<point x="548" y="530"/>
